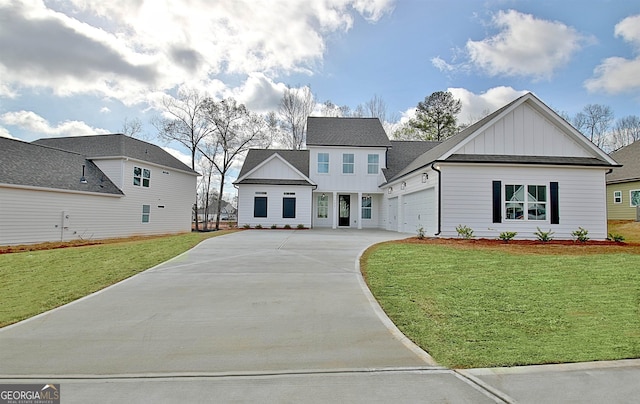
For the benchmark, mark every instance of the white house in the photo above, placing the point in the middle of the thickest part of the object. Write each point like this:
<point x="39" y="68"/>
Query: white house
<point x="521" y="168"/>
<point x="91" y="187"/>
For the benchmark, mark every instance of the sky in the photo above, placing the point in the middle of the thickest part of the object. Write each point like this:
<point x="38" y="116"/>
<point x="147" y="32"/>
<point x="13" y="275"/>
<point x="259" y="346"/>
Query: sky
<point x="81" y="67"/>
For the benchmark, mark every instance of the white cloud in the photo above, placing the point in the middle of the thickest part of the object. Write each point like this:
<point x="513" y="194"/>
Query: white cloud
<point x="31" y="122"/>
<point x="617" y="74"/>
<point x="477" y="106"/>
<point x="4" y="132"/>
<point x="130" y="50"/>
<point x="105" y="110"/>
<point x="259" y="93"/>
<point x="525" y="46"/>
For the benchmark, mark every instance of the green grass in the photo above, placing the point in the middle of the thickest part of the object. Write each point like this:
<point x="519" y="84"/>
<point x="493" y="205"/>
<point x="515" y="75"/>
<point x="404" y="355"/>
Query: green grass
<point x="482" y="307"/>
<point x="33" y="282"/>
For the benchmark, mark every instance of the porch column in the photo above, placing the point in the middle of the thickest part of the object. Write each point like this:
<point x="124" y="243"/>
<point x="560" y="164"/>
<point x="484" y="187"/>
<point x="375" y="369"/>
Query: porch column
<point x="400" y="214"/>
<point x="359" y="210"/>
<point x="334" y="217"/>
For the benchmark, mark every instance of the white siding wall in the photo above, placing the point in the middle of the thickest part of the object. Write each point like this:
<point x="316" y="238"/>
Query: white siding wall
<point x="359" y="181"/>
<point x="114" y="169"/>
<point x="275" y="194"/>
<point x="524" y="131"/>
<point x="31" y="216"/>
<point x="467" y="200"/>
<point x="276" y="168"/>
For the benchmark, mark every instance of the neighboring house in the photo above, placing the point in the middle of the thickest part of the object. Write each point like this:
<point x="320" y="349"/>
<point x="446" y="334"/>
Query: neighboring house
<point x="518" y="169"/>
<point x="91" y="187"/>
<point x="623" y="184"/>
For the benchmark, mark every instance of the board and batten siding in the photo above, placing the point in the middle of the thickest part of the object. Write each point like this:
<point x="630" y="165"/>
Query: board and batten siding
<point x="36" y="215"/>
<point x="524" y="131"/>
<point x="274" y="195"/>
<point x="467" y="200"/>
<point x="335" y="180"/>
<point x="623" y="210"/>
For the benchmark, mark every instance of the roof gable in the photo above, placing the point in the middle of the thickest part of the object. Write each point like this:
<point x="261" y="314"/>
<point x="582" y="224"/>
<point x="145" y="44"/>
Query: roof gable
<point x="491" y="140"/>
<point x="275" y="167"/>
<point x="116" y="146"/>
<point x="351" y="132"/>
<point x="32" y="165"/>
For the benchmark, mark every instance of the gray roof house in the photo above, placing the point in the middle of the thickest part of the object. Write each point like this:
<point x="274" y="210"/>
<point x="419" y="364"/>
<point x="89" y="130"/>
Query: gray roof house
<point x="91" y="187"/>
<point x="623" y="184"/>
<point x="520" y="168"/>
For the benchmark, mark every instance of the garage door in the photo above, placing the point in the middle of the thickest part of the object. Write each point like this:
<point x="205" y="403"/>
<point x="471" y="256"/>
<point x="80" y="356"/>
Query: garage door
<point x="392" y="223"/>
<point x="419" y="211"/>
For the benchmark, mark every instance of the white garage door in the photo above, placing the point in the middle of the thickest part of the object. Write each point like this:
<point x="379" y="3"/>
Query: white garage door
<point x="392" y="223"/>
<point x="420" y="211"/>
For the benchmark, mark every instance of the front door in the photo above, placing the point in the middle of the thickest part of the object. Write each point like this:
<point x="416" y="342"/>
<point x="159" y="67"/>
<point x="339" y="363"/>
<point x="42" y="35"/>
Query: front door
<point x="345" y="210"/>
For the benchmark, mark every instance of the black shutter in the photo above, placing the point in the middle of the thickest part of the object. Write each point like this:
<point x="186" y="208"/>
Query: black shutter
<point x="497" y="202"/>
<point x="553" y="194"/>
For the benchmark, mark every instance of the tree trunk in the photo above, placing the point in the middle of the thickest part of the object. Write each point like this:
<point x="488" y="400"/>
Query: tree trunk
<point x="219" y="202"/>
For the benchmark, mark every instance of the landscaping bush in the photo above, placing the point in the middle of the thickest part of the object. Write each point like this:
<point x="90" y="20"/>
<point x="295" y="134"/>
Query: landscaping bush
<point x="544" y="236"/>
<point x="618" y="238"/>
<point x="580" y="235"/>
<point x="464" y="232"/>
<point x="506" y="236"/>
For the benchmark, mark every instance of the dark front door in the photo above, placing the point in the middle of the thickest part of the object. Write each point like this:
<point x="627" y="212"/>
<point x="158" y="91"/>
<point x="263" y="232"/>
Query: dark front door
<point x="345" y="210"/>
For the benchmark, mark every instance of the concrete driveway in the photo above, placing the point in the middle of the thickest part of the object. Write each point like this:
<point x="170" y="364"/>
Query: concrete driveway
<point x="269" y="315"/>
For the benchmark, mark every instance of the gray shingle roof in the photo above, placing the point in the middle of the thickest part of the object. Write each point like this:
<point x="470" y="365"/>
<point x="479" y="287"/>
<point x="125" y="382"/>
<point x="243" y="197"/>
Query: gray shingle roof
<point x="297" y="158"/>
<point x="402" y="153"/>
<point x="116" y="145"/>
<point x="629" y="157"/>
<point x="35" y="165"/>
<point x="445" y="147"/>
<point x="356" y="132"/>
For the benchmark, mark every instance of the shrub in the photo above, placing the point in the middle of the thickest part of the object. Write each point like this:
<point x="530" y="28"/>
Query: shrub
<point x="286" y="226"/>
<point x="273" y="226"/>
<point x="464" y="231"/>
<point x="615" y="237"/>
<point x="580" y="235"/>
<point x="421" y="232"/>
<point x="507" y="235"/>
<point x="300" y="226"/>
<point x="258" y="226"/>
<point x="544" y="236"/>
<point x="247" y="226"/>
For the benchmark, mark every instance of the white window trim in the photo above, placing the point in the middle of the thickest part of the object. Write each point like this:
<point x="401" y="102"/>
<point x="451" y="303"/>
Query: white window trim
<point x="617" y="197"/>
<point x="526" y="203"/>
<point x="352" y="164"/>
<point x="631" y="199"/>
<point x="377" y="164"/>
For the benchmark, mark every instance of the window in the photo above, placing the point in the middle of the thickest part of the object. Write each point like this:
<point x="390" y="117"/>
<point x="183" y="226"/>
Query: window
<point x="347" y="163"/>
<point x="288" y="208"/>
<point x="366" y="207"/>
<point x="323" y="163"/>
<point x="617" y="196"/>
<point x="146" y="210"/>
<point x="373" y="162"/>
<point x="323" y="207"/>
<point x="534" y="200"/>
<point x="141" y="177"/>
<point x="634" y="197"/>
<point x="260" y="206"/>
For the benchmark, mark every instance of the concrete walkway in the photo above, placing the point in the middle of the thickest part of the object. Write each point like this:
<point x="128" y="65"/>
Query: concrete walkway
<point x="269" y="316"/>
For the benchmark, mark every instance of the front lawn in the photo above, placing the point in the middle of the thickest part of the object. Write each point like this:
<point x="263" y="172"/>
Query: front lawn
<point x="470" y="305"/>
<point x="33" y="282"/>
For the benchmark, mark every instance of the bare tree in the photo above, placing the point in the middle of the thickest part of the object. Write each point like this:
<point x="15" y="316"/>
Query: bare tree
<point x="296" y="105"/>
<point x="625" y="132"/>
<point x="185" y="122"/>
<point x="377" y="108"/>
<point x="236" y="130"/>
<point x="132" y="127"/>
<point x="594" y="122"/>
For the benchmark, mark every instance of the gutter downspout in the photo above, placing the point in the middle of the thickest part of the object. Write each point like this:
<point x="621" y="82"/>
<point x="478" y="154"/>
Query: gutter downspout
<point x="433" y="167"/>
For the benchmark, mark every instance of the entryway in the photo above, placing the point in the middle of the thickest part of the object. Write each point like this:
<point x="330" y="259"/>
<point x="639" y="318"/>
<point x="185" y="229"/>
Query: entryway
<point x="344" y="208"/>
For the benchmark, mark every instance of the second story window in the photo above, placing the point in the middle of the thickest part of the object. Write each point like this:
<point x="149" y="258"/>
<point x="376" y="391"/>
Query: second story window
<point x="141" y="177"/>
<point x="323" y="163"/>
<point x="373" y="163"/>
<point x="347" y="163"/>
